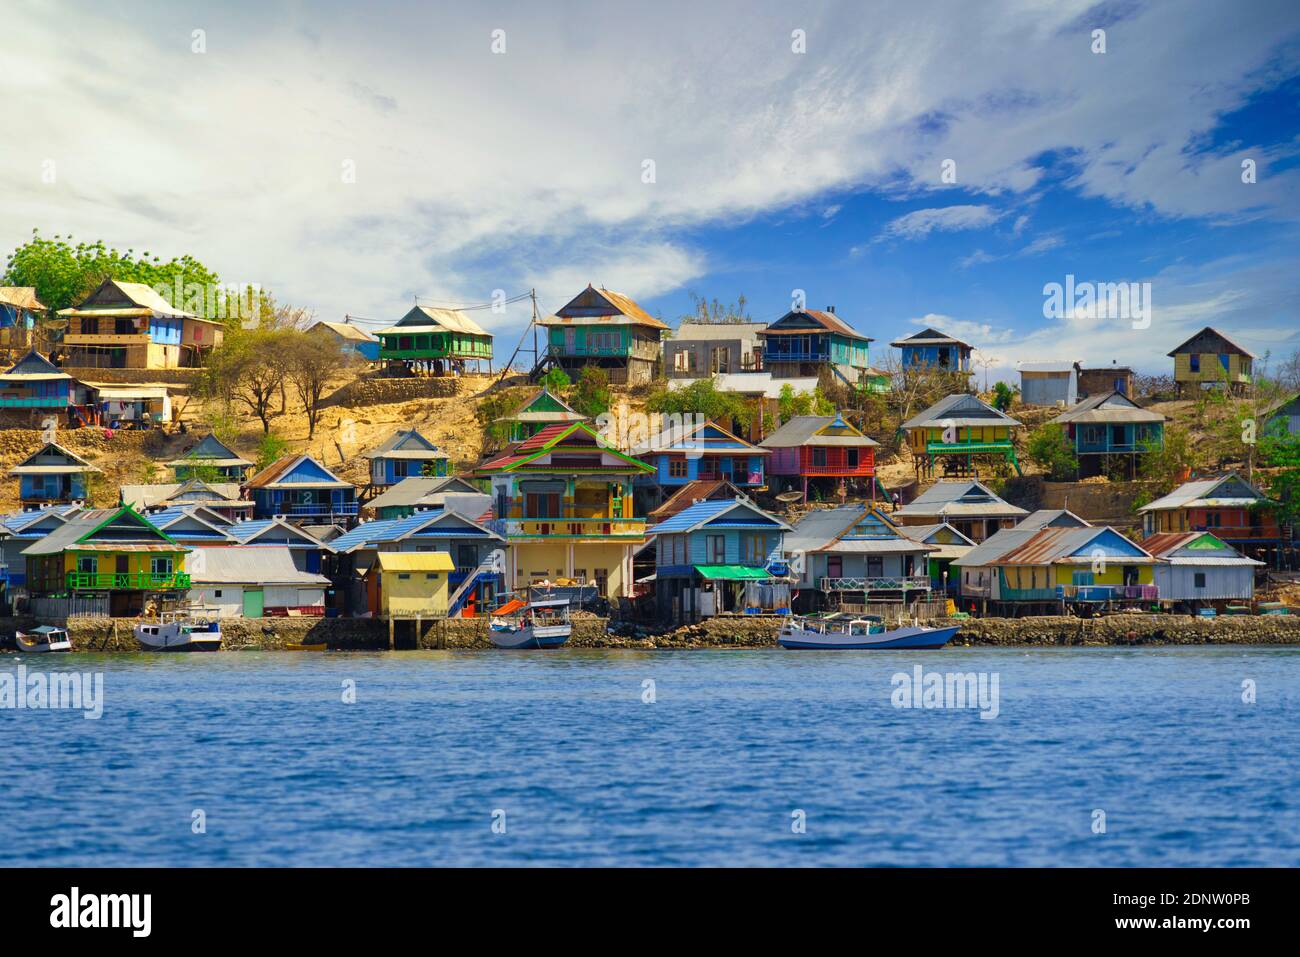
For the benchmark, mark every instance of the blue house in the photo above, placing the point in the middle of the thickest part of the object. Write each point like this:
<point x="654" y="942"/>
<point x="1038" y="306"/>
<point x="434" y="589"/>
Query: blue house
<point x="301" y="489"/>
<point x="22" y="530"/>
<point x="705" y="451"/>
<point x="33" y="382"/>
<point x="1109" y="433"/>
<point x="934" y="349"/>
<point x="309" y="552"/>
<point x="720" y="557"/>
<point x="212" y="459"/>
<point x="52" y="475"/>
<point x="804" y="342"/>
<point x="404" y="454"/>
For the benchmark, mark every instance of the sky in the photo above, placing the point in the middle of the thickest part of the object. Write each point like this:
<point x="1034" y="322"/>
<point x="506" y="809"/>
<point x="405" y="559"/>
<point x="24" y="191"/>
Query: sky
<point x="912" y="164"/>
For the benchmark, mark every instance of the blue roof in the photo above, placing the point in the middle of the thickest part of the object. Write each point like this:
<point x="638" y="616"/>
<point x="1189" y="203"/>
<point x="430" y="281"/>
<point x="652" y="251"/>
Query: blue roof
<point x="16" y="523"/>
<point x="688" y="518"/>
<point x="367" y="532"/>
<point x="392" y="529"/>
<point x="245" y="530"/>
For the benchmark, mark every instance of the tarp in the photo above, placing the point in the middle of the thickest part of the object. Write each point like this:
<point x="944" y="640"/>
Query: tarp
<point x="733" y="572"/>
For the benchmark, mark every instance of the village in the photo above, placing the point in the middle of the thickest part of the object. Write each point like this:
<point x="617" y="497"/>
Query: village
<point x="324" y="480"/>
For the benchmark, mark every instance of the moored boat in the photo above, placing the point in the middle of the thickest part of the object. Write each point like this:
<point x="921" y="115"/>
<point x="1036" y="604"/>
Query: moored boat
<point x="305" y="646"/>
<point x="533" y="624"/>
<point x="848" y="633"/>
<point x="43" y="639"/>
<point x="179" y="632"/>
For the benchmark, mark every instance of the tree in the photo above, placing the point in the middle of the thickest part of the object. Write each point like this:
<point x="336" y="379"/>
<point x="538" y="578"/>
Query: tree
<point x="1281" y="450"/>
<point x="1049" y="448"/>
<point x="716" y="311"/>
<point x="249" y="369"/>
<point x="591" y="395"/>
<point x="310" y="364"/>
<point x="556" y="381"/>
<point x="1003" y="395"/>
<point x="269" y="450"/>
<point x="702" y="397"/>
<point x="1167" y="463"/>
<point x="790" y="403"/>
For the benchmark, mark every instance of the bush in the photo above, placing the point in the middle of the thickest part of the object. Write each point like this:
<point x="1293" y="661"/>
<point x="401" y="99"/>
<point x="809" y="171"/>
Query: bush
<point x="591" y="395"/>
<point x="1049" y="448"/>
<point x="702" y="397"/>
<point x="270" y="449"/>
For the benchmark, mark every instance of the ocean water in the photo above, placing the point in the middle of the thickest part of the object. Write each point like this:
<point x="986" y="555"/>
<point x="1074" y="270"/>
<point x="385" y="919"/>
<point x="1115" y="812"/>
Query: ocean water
<point x="659" y="758"/>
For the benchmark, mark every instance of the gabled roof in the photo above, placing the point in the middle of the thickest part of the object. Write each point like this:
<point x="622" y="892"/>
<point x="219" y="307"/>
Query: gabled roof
<point x="602" y="307"/>
<point x="116" y="298"/>
<point x="34" y="367"/>
<point x="1108" y="407"/>
<point x="691" y="492"/>
<point x="419" y="525"/>
<point x="822" y="526"/>
<point x="406" y="444"/>
<point x="967" y="498"/>
<point x="1045" y="546"/>
<point x="277" y="474"/>
<point x="415" y="562"/>
<point x="544" y="406"/>
<point x="266" y="531"/>
<point x="149" y="496"/>
<point x="1052" y="517"/>
<point x="38" y="462"/>
<point x="702" y="438"/>
<point x="431" y="319"/>
<point x="20" y="297"/>
<point x="929" y="337"/>
<point x="210" y="451"/>
<point x="933" y="536"/>
<point x="1194" y="548"/>
<point x="422" y="490"/>
<point x="1223" y="491"/>
<point x="214" y="526"/>
<point x="565" y="438"/>
<point x="131" y="531"/>
<point x="1051" y="366"/>
<point x="734" y="513"/>
<point x="20" y="523"/>
<point x="344" y="330"/>
<point x="959" y="409"/>
<point x="798" y="321"/>
<point x="816" y="430"/>
<point x="1213" y="334"/>
<point x="237" y="565"/>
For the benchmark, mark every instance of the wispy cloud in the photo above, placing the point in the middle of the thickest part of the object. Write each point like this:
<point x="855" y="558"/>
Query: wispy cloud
<point x="946" y="219"/>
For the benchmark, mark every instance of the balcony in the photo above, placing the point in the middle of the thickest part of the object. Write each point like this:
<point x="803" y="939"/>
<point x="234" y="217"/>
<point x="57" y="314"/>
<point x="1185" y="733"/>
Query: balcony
<point x="1000" y="447"/>
<point x="1103" y="593"/>
<point x="797" y="355"/>
<point x="137" y="581"/>
<point x="107" y="339"/>
<point x="326" y="510"/>
<point x="895" y="583"/>
<point x="615" y="528"/>
<point x="639" y="349"/>
<point x="34" y="402"/>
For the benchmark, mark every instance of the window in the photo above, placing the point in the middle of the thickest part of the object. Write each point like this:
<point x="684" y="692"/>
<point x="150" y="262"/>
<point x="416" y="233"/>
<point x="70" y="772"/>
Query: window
<point x="720" y="360"/>
<point x="819" y="458"/>
<point x="875" y="566"/>
<point x="677" y="468"/>
<point x="160" y="566"/>
<point x="217" y="593"/>
<point x="602" y="580"/>
<point x="1195" y="362"/>
<point x="87" y="565"/>
<point x="431" y="576"/>
<point x="1199" y="579"/>
<point x="400" y="467"/>
<point x="755" y="549"/>
<point x="715" y="547"/>
<point x="403" y="576"/>
<point x="851" y="458"/>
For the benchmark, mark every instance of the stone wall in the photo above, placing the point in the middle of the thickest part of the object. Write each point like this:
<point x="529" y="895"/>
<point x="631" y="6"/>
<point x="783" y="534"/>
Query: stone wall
<point x="134" y="376"/>
<point x="383" y="391"/>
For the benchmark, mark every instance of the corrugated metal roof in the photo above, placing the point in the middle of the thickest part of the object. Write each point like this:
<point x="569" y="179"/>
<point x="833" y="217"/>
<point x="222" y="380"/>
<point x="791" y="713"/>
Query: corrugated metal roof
<point x="1214" y="332"/>
<point x="1198" y="493"/>
<point x="433" y="319"/>
<point x="345" y="330"/>
<point x="138" y="294"/>
<point x="415" y="561"/>
<point x="929" y="337"/>
<point x="821" y="526"/>
<point x="1059" y="517"/>
<point x="20" y="297"/>
<point x="1108" y="407"/>
<point x="406" y="443"/>
<point x="702" y="512"/>
<point x="802" y="430"/>
<point x="627" y="311"/>
<point x="242" y="565"/>
<point x="959" y="409"/>
<point x="959" y="498"/>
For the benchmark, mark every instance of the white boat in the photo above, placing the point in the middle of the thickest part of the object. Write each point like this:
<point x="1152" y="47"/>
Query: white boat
<point x="177" y="631"/>
<point x="43" y="639"/>
<point x="533" y="624"/>
<point x="859" y="633"/>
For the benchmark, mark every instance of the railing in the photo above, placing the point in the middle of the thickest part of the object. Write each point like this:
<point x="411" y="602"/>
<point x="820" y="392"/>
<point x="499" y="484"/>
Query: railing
<point x="100" y="581"/>
<point x="897" y="583"/>
<point x="1107" y="592"/>
<point x="998" y="445"/>
<point x="105" y="339"/>
<point x="568" y="527"/>
<point x="318" y="509"/>
<point x="797" y="355"/>
<point x="34" y="402"/>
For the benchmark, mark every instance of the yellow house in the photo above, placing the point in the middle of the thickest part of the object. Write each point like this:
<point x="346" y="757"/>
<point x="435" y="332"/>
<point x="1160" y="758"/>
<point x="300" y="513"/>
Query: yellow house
<point x="1209" y="360"/>
<point x="563" y="500"/>
<point x="960" y="430"/>
<point x="409" y="584"/>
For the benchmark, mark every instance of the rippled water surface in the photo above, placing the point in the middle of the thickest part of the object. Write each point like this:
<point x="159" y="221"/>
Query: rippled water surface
<point x="564" y="748"/>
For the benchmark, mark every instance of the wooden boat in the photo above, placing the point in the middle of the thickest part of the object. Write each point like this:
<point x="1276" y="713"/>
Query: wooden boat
<point x="178" y="631"/>
<point x="848" y="633"/>
<point x="535" y="624"/>
<point x="306" y="646"/>
<point x="43" y="639"/>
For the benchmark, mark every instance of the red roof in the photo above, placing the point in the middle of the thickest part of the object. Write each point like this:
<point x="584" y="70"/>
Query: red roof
<point x="543" y="436"/>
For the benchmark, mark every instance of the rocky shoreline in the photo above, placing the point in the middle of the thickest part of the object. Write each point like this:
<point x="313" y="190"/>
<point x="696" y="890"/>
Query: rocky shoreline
<point x="359" y="634"/>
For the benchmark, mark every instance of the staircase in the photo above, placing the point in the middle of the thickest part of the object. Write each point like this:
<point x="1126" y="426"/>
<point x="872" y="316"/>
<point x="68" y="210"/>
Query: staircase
<point x="491" y="566"/>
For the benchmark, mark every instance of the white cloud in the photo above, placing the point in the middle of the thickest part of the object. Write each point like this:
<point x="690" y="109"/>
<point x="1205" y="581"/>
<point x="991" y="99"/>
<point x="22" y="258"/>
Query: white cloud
<point x="946" y="219"/>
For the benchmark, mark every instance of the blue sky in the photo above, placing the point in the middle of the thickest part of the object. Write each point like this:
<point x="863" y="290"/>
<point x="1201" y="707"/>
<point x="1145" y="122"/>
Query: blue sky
<point x="225" y="133"/>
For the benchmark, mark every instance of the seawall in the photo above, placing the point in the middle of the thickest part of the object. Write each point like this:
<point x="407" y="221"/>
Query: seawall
<point x="361" y="634"/>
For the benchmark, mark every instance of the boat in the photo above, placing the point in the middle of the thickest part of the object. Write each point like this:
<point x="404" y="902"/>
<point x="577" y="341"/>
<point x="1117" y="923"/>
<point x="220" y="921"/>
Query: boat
<point x="43" y="639"/>
<point x="179" y="631"/>
<point x="542" y="623"/>
<point x="850" y="633"/>
<point x="306" y="646"/>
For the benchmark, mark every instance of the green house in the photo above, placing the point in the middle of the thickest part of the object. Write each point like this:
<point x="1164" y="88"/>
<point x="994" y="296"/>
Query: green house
<point x="607" y="329"/>
<point x="429" y="341"/>
<point x="541" y="410"/>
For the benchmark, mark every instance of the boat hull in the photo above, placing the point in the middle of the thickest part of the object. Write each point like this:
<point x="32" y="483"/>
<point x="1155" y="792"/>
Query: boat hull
<point x="173" y="638"/>
<point x="545" y="637"/>
<point x="912" y="637"/>
<point x="41" y="647"/>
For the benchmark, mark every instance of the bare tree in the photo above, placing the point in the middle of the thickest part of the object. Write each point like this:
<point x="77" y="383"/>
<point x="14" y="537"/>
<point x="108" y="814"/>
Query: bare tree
<point x="311" y="363"/>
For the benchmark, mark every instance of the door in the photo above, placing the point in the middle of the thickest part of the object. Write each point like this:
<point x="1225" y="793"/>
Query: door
<point x="570" y="341"/>
<point x="834" y="566"/>
<point x="122" y="568"/>
<point x="253" y="598"/>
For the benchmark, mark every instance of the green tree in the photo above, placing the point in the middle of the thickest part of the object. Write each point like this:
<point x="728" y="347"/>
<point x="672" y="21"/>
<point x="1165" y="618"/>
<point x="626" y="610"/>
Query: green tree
<point x="1281" y="451"/>
<point x="704" y="398"/>
<point x="790" y="403"/>
<point x="250" y="369"/>
<point x="1049" y="448"/>
<point x="556" y="381"/>
<point x="270" y="449"/>
<point x="591" y="395"/>
<point x="1003" y="395"/>
<point x="1166" y="463"/>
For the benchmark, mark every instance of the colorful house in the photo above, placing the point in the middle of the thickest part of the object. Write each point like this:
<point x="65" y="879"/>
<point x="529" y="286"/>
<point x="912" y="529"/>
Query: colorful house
<point x="563" y="500"/>
<point x="1282" y="418"/>
<point x="113" y="553"/>
<point x="52" y="475"/>
<point x="719" y="557"/>
<point x="409" y="585"/>
<point x="1199" y="570"/>
<point x="223" y="498"/>
<point x="969" y="506"/>
<point x="704" y="452"/>
<point x="19" y="312"/>
<point x="349" y="339"/>
<point x="127" y="325"/>
<point x="253" y="583"/>
<point x="210" y="459"/>
<point x="423" y="493"/>
<point x="932" y="349"/>
<point x="690" y="493"/>
<point x="429" y="341"/>
<point x="543" y="409"/>
<point x="1228" y="506"/>
<point x="821" y="451"/>
<point x="855" y="554"/>
<point x="960" y="431"/>
<point x="301" y="489"/>
<point x="947" y="544"/>
<point x="21" y="530"/>
<point x="1109" y="431"/>
<point x="1210" y="360"/>
<point x="807" y="342"/>
<point x="310" y="553"/>
<point x="1049" y="383"/>
<point x="403" y="454"/>
<point x="35" y="383"/>
<point x="1020" y="570"/>
<point x="698" y="350"/>
<point x="194" y="526"/>
<point x="606" y="329"/>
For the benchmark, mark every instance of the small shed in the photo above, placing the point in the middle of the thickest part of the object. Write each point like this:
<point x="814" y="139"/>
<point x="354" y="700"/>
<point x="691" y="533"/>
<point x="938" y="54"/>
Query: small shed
<point x="1049" y="383"/>
<point x="409" y="584"/>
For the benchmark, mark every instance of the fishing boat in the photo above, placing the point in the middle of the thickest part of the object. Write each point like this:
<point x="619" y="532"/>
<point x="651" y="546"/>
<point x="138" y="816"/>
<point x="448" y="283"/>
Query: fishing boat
<point x="542" y="623"/>
<point x="859" y="633"/>
<point x="43" y="639"/>
<point x="179" y="631"/>
<point x="305" y="646"/>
